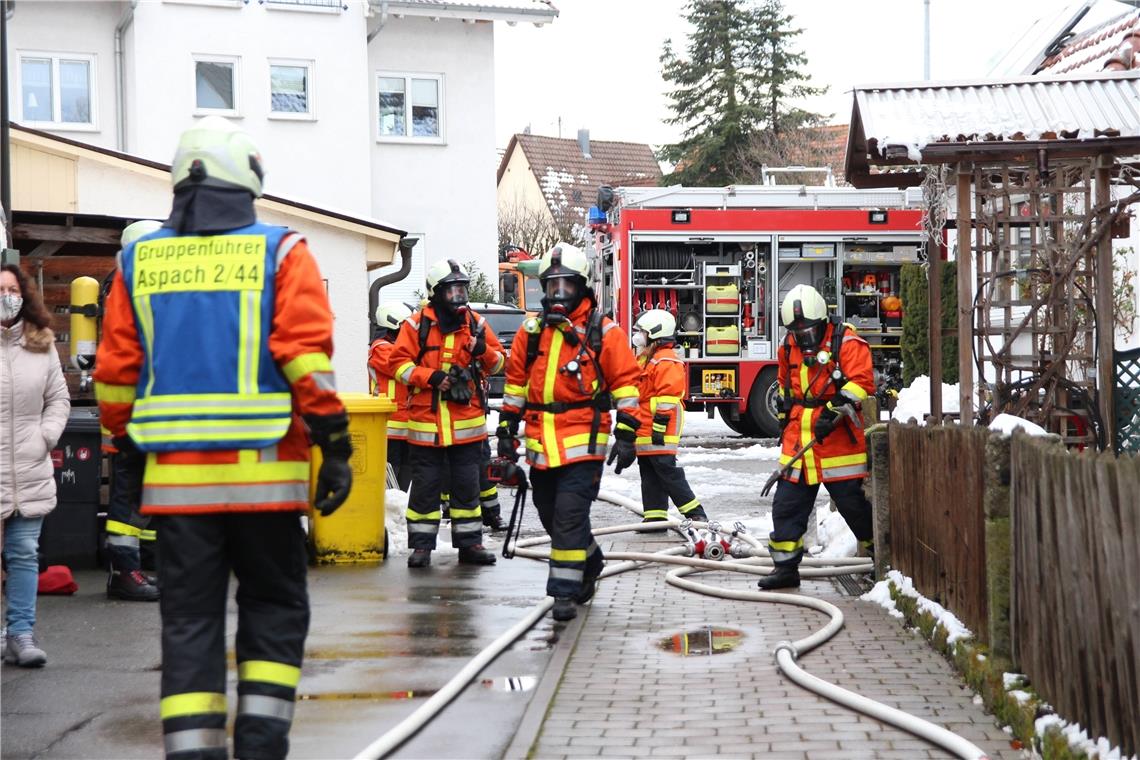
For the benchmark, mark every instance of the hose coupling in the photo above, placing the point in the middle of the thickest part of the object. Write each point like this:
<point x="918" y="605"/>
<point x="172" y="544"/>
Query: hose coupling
<point x="785" y="645"/>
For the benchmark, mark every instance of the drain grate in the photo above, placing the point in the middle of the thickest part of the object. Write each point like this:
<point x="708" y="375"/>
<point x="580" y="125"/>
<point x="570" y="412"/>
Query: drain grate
<point x="854" y="585"/>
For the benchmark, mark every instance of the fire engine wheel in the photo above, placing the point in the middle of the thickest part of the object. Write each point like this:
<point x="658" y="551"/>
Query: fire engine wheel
<point x="742" y="425"/>
<point x="762" y="404"/>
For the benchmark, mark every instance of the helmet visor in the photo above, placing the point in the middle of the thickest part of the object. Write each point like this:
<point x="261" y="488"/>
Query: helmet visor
<point x="561" y="289"/>
<point x="808" y="338"/>
<point x="454" y="294"/>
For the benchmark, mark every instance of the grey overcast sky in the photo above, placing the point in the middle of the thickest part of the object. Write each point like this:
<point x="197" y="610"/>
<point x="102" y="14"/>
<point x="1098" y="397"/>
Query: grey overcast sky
<point x="597" y="66"/>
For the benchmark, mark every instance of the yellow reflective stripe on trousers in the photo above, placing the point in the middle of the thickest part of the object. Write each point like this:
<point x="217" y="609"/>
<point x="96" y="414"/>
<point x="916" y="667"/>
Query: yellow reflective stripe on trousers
<point x="114" y="394"/>
<point x="265" y="671"/>
<point x="464" y="514"/>
<point x="549" y="434"/>
<point x="114" y="527"/>
<point x="304" y="364"/>
<point x="192" y="703"/>
<point x="568" y="555"/>
<point x="786" y="546"/>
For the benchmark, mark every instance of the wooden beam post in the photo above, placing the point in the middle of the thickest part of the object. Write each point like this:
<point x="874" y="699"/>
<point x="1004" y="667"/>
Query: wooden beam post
<point x="965" y="229"/>
<point x="934" y="334"/>
<point x="1106" y="327"/>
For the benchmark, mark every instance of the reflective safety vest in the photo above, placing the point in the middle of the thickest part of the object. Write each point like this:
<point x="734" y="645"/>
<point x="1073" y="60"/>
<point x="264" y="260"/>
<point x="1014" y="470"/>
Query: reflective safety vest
<point x="566" y="393"/>
<point x="660" y="390"/>
<point x="384" y="383"/>
<point x="204" y="309"/>
<point x="843" y="454"/>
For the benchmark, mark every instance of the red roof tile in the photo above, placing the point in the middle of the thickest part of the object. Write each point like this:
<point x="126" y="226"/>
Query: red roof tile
<point x="1118" y="38"/>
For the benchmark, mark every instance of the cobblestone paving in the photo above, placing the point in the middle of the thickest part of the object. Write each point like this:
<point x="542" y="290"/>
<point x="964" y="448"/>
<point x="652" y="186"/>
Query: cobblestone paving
<point x="621" y="695"/>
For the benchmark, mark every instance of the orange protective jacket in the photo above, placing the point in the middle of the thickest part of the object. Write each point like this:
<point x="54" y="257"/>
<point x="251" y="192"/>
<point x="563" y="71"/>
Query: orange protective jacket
<point x="556" y="438"/>
<point x="661" y="390"/>
<point x="275" y="478"/>
<point x="843" y="454"/>
<point x="384" y="383"/>
<point x="433" y="420"/>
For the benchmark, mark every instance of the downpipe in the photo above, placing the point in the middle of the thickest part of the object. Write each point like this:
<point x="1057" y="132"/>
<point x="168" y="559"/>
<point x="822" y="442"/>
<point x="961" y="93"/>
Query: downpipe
<point x="786" y="652"/>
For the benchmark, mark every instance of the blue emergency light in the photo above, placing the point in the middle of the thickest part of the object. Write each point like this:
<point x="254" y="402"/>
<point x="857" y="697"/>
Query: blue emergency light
<point x="596" y="215"/>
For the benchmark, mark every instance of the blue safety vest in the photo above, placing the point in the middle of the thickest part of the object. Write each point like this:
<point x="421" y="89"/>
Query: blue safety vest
<point x="203" y="307"/>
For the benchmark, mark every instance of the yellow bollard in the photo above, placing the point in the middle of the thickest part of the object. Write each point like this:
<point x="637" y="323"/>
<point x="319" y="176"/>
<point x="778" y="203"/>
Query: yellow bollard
<point x="356" y="531"/>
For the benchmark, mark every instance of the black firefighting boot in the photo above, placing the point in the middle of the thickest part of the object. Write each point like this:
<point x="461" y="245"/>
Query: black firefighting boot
<point x="131" y="585"/>
<point x="782" y="577"/>
<point x="494" y="521"/>
<point x="419" y="558"/>
<point x="648" y="520"/>
<point x="696" y="514"/>
<point x="476" y="555"/>
<point x="564" y="609"/>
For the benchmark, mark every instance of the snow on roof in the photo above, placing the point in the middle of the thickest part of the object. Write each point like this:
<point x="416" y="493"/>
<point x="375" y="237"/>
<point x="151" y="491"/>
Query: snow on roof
<point x="535" y="11"/>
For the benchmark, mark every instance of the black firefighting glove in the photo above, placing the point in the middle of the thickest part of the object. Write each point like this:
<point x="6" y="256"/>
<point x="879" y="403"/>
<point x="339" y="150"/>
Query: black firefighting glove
<point x="660" y="425"/>
<point x="508" y="434"/>
<point x="437" y="378"/>
<point x="480" y="345"/>
<point x="624" y="451"/>
<point x="128" y="452"/>
<point x="826" y="423"/>
<point x="334" y="480"/>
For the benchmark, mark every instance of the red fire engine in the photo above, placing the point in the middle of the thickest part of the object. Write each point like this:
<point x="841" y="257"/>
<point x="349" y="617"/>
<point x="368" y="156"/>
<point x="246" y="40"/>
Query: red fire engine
<point x="722" y="259"/>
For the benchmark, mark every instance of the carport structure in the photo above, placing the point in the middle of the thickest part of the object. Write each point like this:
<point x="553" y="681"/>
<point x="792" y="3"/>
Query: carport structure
<point x="1042" y="172"/>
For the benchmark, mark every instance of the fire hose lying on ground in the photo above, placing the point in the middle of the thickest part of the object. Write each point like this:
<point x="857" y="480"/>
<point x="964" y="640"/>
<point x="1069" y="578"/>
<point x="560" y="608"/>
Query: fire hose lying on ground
<point x="705" y="549"/>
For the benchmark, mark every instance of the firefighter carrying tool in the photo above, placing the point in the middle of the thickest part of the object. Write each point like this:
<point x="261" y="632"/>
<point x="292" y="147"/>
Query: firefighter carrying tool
<point x="576" y="366"/>
<point x="441" y="354"/>
<point x="216" y="379"/>
<point x="815" y="387"/>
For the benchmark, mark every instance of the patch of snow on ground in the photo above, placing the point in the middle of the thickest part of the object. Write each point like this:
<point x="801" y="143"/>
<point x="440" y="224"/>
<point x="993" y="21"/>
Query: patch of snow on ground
<point x="1007" y="423"/>
<point x="954" y="627"/>
<point x="835" y="537"/>
<point x="914" y="401"/>
<point x="880" y="594"/>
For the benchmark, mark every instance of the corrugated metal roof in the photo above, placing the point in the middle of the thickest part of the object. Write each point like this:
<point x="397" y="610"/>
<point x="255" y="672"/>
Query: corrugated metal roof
<point x="1017" y="109"/>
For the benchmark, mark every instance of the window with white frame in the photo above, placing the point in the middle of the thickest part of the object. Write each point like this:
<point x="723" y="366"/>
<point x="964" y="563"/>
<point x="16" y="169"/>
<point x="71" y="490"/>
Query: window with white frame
<point x="410" y="107"/>
<point x="216" y="85"/>
<point x="57" y="89"/>
<point x="291" y="89"/>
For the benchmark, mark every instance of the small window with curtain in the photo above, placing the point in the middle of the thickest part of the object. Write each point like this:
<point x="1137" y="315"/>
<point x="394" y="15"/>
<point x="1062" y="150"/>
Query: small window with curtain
<point x="57" y="90"/>
<point x="291" y="90"/>
<point x="410" y="108"/>
<point x="216" y="85"/>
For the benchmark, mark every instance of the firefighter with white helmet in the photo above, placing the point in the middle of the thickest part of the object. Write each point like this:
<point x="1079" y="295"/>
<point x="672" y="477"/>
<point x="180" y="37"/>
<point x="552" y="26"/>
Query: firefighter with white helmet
<point x="215" y="363"/>
<point x="663" y="384"/>
<point x="442" y="353"/>
<point x="390" y="315"/>
<point x="575" y="367"/>
<point x="126" y="528"/>
<point x="825" y="373"/>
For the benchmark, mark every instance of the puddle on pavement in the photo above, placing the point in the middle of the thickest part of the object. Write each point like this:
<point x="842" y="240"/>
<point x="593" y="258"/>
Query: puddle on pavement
<point x="702" y="642"/>
<point x="506" y="683"/>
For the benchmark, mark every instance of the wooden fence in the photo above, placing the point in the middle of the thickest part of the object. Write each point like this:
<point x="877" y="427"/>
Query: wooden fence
<point x="937" y="522"/>
<point x="1075" y="602"/>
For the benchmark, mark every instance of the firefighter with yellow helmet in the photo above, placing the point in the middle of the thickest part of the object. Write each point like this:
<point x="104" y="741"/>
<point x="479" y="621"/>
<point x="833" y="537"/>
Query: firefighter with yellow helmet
<point x="824" y="375"/>
<point x="576" y="366"/>
<point x="215" y="363"/>
<point x="126" y="528"/>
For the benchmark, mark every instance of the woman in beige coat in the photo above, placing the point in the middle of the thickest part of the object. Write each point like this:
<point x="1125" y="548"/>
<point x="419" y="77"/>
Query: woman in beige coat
<point x="34" y="407"/>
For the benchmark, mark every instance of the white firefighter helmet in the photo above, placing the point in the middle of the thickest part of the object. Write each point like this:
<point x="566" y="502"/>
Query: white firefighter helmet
<point x="391" y="314"/>
<point x="563" y="260"/>
<point x="804" y="313"/>
<point x="657" y="324"/>
<point x="136" y="230"/>
<point x="216" y="153"/>
<point x="443" y="272"/>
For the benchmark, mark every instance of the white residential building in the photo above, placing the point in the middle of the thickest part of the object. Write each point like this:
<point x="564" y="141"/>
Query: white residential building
<point x="381" y="109"/>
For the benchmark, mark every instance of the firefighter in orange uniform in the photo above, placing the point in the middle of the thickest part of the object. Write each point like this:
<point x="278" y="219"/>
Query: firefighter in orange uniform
<point x="663" y="384"/>
<point x="575" y="367"/>
<point x="215" y="364"/>
<point x="823" y="366"/>
<point x="441" y="354"/>
<point x="389" y="317"/>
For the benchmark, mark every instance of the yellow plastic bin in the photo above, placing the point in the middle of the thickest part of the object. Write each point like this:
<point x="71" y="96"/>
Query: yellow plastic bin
<point x="356" y="532"/>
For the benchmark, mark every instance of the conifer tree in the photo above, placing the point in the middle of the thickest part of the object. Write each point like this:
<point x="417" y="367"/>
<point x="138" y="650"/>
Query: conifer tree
<point x="736" y="79"/>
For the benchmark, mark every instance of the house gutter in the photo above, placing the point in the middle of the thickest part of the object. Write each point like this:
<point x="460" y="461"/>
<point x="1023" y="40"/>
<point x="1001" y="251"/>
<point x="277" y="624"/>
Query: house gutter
<point x="406" y="245"/>
<point x="121" y="76"/>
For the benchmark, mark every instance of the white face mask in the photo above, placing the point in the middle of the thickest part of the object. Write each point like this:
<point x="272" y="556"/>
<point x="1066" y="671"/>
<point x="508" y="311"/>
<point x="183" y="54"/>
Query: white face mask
<point x="10" y="305"/>
<point x="639" y="340"/>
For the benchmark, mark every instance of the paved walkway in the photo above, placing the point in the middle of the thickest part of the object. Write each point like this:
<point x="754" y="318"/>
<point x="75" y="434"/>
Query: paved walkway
<point x="621" y="695"/>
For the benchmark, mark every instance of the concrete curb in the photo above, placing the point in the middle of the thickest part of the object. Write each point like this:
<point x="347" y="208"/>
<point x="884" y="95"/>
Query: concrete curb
<point x="526" y="735"/>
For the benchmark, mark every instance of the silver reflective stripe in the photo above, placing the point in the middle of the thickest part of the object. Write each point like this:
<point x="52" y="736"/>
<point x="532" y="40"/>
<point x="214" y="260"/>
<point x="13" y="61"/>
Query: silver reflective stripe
<point x="462" y="435"/>
<point x="405" y="377"/>
<point x="515" y="401"/>
<point x="431" y="526"/>
<point x="253" y="493"/>
<point x="489" y="502"/>
<point x="287" y="244"/>
<point x="250" y="340"/>
<point x="645" y="448"/>
<point x="534" y="457"/>
<point x="467" y="526"/>
<point x="666" y="406"/>
<point x="577" y="452"/>
<point x="419" y="435"/>
<point x="194" y="739"/>
<point x="268" y="454"/>
<point x="326" y="381"/>
<point x="266" y="707"/>
<point x="844" y="472"/>
<point x="629" y="402"/>
<point x="778" y="556"/>
<point x="131" y="542"/>
<point x="607" y="326"/>
<point x="566" y="574"/>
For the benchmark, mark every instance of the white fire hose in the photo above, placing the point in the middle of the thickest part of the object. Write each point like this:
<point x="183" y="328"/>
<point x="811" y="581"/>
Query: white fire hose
<point x="786" y="652"/>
